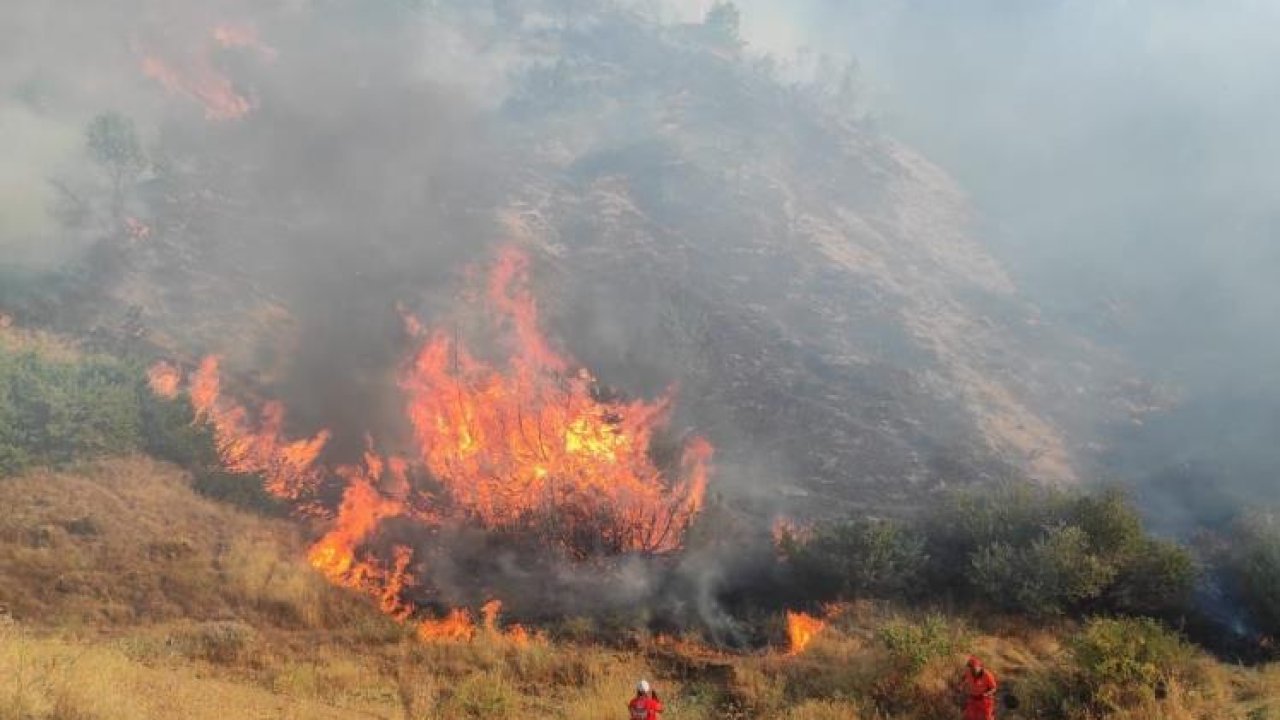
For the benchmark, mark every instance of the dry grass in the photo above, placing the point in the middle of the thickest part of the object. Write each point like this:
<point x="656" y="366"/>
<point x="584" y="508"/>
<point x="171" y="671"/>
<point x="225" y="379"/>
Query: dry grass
<point x="127" y="541"/>
<point x="137" y="598"/>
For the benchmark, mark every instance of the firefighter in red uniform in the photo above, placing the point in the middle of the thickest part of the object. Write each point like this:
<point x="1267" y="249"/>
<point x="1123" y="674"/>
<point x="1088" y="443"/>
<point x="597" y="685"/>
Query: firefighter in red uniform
<point x="645" y="705"/>
<point x="980" y="692"/>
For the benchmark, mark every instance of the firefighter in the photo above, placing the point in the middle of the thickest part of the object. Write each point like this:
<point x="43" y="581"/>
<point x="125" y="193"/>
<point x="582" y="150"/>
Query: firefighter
<point x="980" y="691"/>
<point x="645" y="705"/>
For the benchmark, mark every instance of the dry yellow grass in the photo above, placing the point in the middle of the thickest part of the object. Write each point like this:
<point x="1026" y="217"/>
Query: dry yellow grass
<point x="127" y="541"/>
<point x="135" y="598"/>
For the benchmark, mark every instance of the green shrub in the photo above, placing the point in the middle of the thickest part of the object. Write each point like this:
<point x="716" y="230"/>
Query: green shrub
<point x="169" y="433"/>
<point x="962" y="522"/>
<point x="912" y="645"/>
<point x="1046" y="552"/>
<point x="1157" y="579"/>
<point x="1054" y="573"/>
<point x="1128" y="651"/>
<point x="54" y="411"/>
<point x="860" y="558"/>
<point x="243" y="491"/>
<point x="1253" y="566"/>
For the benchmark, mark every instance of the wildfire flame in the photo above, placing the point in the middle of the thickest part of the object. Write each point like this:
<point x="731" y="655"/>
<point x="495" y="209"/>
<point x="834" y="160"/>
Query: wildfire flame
<point x="362" y="510"/>
<point x="801" y="630"/>
<point x="197" y="76"/>
<point x="289" y="468"/>
<point x="531" y="445"/>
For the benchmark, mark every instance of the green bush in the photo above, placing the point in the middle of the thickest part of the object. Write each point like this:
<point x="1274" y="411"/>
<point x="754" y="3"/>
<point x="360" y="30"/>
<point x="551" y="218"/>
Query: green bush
<point x="243" y="491"/>
<point x="860" y="558"/>
<point x="1158" y="580"/>
<point x="169" y="433"/>
<point x="1115" y="663"/>
<point x="54" y="411"/>
<point x="1054" y="573"/>
<point x="913" y="645"/>
<point x="1046" y="552"/>
<point x="963" y="522"/>
<point x="1128" y="651"/>
<point x="1252" y="563"/>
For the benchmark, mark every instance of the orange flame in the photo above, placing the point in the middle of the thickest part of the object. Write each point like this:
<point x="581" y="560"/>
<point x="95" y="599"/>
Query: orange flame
<point x="362" y="510"/>
<point x="535" y="446"/>
<point x="202" y="83"/>
<point x="198" y="78"/>
<point x="164" y="380"/>
<point x="801" y="630"/>
<point x="288" y="468"/>
<point x="456" y="627"/>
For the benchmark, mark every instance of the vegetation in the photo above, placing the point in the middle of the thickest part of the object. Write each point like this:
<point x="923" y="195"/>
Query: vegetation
<point x="123" y="578"/>
<point x="1252" y="565"/>
<point x="56" y="410"/>
<point x="113" y="144"/>
<point x="860" y="558"/>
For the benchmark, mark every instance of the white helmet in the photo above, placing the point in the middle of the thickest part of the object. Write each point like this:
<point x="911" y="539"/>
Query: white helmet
<point x="642" y="686"/>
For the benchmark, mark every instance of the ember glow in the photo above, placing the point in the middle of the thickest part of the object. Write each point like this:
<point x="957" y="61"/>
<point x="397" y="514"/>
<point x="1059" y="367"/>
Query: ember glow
<point x="801" y="630"/>
<point x="528" y="446"/>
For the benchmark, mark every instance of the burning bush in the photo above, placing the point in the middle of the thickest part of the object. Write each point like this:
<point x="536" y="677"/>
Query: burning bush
<point x="528" y="448"/>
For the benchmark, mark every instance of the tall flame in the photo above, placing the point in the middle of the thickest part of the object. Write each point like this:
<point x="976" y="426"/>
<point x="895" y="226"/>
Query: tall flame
<point x="532" y="445"/>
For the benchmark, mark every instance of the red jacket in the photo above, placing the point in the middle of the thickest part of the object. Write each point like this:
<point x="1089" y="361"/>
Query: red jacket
<point x="644" y="708"/>
<point x="981" y="701"/>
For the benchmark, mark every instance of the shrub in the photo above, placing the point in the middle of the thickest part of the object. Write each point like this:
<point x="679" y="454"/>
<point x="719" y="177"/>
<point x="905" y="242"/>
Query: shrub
<point x="1047" y="552"/>
<point x="1158" y="579"/>
<point x="962" y="522"/>
<point x="1055" y="573"/>
<point x="243" y="491"/>
<point x="1128" y="651"/>
<point x="1253" y="566"/>
<point x="169" y="434"/>
<point x="860" y="558"/>
<point x="54" y="411"/>
<point x="913" y="645"/>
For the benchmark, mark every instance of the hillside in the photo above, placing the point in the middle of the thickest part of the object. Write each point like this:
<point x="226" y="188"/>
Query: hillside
<point x="696" y="223"/>
<point x="439" y="359"/>
<point x="129" y="596"/>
